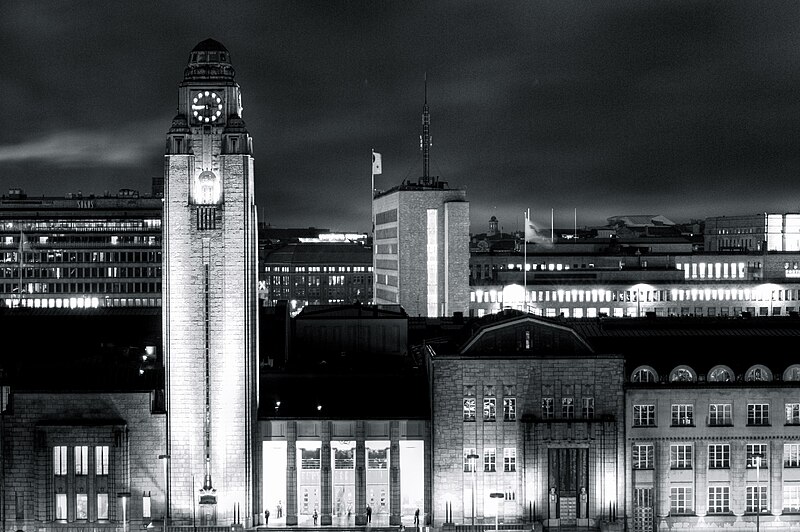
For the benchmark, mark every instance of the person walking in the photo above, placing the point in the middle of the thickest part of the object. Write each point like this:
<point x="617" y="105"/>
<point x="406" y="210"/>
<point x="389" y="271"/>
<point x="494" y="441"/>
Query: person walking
<point x="369" y="514"/>
<point x="416" y="517"/>
<point x="315" y="517"/>
<point x="280" y="510"/>
<point x="266" y="517"/>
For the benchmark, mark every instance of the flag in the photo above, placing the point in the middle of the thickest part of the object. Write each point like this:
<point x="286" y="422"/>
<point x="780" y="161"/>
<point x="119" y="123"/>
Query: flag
<point x="23" y="247"/>
<point x="376" y="163"/>
<point x="530" y="229"/>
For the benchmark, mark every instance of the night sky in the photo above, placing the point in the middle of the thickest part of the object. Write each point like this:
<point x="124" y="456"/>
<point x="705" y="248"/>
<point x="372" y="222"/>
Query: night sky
<point x="686" y="109"/>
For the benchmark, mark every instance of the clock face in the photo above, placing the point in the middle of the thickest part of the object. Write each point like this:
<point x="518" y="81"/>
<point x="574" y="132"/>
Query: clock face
<point x="206" y="106"/>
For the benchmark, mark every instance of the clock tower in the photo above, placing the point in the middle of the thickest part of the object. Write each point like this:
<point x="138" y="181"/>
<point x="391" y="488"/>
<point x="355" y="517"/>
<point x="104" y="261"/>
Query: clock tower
<point x="210" y="301"/>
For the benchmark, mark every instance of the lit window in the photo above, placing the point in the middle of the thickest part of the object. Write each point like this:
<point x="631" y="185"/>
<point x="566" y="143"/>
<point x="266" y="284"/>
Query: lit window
<point x="82" y="460"/>
<point x="489" y="409"/>
<point x="509" y="409"/>
<point x="644" y="415"/>
<point x="102" y="506"/>
<point x="81" y="506"/>
<point x="791" y="497"/>
<point x="643" y="456"/>
<point x="509" y="459"/>
<point x="469" y="459"/>
<point x="680" y="456"/>
<point x="682" y="415"/>
<point x="791" y="455"/>
<point x="60" y="460"/>
<point x="720" y="415"/>
<point x="567" y="407"/>
<point x="681" y="500"/>
<point x="758" y="373"/>
<point x="145" y="505"/>
<point x="489" y="460"/>
<point x="719" y="456"/>
<point x="587" y="410"/>
<point x="757" y="455"/>
<point x="682" y="374"/>
<point x="643" y="375"/>
<point x="756" y="499"/>
<point x="793" y="413"/>
<point x="720" y="374"/>
<point x="61" y="506"/>
<point x="719" y="499"/>
<point x="101" y="459"/>
<point x="758" y="414"/>
<point x="469" y="409"/>
<point x="547" y="408"/>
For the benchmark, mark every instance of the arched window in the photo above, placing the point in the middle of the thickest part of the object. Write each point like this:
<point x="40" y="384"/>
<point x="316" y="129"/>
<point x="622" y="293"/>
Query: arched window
<point x="644" y="374"/>
<point x="682" y="374"/>
<point x="758" y="373"/>
<point x="792" y="373"/>
<point x="720" y="374"/>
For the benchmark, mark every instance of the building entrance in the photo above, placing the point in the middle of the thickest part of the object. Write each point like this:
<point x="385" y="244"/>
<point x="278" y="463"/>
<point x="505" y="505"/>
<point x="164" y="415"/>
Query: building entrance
<point x="568" y="473"/>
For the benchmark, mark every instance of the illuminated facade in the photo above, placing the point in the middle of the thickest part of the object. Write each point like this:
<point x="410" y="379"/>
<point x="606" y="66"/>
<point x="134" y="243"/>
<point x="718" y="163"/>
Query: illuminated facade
<point x="591" y="285"/>
<point x="772" y="232"/>
<point x="80" y="252"/>
<point x="210" y="301"/>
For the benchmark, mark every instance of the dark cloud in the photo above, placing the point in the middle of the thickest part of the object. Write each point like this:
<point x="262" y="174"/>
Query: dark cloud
<point x="688" y="109"/>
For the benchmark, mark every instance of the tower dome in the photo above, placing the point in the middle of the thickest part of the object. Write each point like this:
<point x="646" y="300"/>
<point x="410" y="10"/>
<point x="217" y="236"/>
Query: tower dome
<point x="209" y="60"/>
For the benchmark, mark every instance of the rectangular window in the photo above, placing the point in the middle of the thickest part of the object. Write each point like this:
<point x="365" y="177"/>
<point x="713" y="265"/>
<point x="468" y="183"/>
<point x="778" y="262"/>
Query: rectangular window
<point x="680" y="456"/>
<point x="101" y="459"/>
<point x="719" y="499"/>
<point x="509" y="459"/>
<point x="756" y="499"/>
<point x="681" y="500"/>
<point x="81" y="459"/>
<point x="19" y="506"/>
<point x="547" y="408"/>
<point x="102" y="506"/>
<point x="793" y="413"/>
<point x="567" y="407"/>
<point x="643" y="456"/>
<point x="644" y="415"/>
<point x="758" y="414"/>
<point x="61" y="506"/>
<point x="757" y="455"/>
<point x="719" y="456"/>
<point x="509" y="409"/>
<point x="81" y="506"/>
<point x="587" y="410"/>
<point x="489" y="409"/>
<point x="791" y="497"/>
<point x="146" y="505"/>
<point x="720" y="415"/>
<point x="469" y="409"/>
<point x="489" y="460"/>
<point x="791" y="455"/>
<point x="682" y="415"/>
<point x="60" y="461"/>
<point x="470" y="455"/>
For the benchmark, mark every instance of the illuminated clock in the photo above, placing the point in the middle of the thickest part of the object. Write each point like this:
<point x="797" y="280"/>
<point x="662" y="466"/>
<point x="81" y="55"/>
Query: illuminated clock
<point x="206" y="106"/>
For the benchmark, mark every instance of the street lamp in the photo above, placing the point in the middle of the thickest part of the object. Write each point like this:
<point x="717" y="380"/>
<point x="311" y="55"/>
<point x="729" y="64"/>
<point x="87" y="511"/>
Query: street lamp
<point x="496" y="496"/>
<point x="165" y="457"/>
<point x="757" y="461"/>
<point x="473" y="460"/>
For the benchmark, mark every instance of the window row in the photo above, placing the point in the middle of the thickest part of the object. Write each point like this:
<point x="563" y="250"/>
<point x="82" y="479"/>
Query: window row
<point x="80" y="288"/>
<point x="719" y="499"/>
<point x="567" y="408"/>
<point x="681" y="456"/>
<point x="79" y="272"/>
<point x="471" y="458"/>
<point x="719" y="415"/>
<point x="490" y="409"/>
<point x="720" y="373"/>
<point x="80" y="460"/>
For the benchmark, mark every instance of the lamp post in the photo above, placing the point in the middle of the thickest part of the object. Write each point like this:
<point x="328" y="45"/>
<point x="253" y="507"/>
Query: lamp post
<point x="165" y="457"/>
<point x="473" y="460"/>
<point x="757" y="461"/>
<point x="497" y="496"/>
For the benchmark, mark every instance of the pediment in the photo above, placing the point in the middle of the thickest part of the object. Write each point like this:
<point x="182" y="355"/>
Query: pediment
<point x="525" y="335"/>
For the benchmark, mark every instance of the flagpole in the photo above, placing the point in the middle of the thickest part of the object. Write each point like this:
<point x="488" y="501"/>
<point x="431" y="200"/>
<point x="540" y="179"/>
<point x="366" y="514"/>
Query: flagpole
<point x="525" y="259"/>
<point x="575" y="232"/>
<point x="372" y="223"/>
<point x="20" y="253"/>
<point x="552" y="228"/>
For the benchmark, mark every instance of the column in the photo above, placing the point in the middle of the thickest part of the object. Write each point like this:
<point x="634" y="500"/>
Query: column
<point x="738" y="477"/>
<point x="775" y="496"/>
<point x="325" y="475"/>
<point x="361" y="476"/>
<point x="291" y="472"/>
<point x="701" y="477"/>
<point x="661" y="482"/>
<point x="394" y="473"/>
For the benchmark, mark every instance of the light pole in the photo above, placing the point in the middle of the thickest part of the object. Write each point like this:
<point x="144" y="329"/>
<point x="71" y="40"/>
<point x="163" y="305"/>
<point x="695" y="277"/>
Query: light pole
<point x="757" y="460"/>
<point x="165" y="457"/>
<point x="497" y="496"/>
<point x="473" y="460"/>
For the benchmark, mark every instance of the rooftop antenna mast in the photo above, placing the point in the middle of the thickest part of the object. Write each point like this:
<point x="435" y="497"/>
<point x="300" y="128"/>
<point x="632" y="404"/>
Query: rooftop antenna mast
<point x="425" y="140"/>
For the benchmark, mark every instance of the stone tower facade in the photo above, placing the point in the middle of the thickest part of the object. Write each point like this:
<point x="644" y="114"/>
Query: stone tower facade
<point x="210" y="300"/>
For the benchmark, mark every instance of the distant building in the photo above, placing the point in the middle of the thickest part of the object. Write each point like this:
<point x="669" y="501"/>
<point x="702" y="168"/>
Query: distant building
<point x="421" y="246"/>
<point x="778" y="232"/>
<point x="80" y="251"/>
<point x="316" y="273"/>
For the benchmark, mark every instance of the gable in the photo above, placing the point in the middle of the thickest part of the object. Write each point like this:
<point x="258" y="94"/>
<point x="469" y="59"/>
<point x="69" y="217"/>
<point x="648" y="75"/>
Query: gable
<point x="526" y="336"/>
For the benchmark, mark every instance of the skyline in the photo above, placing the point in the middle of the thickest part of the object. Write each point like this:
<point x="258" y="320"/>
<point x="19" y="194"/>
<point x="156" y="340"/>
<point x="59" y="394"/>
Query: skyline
<point x="684" y="110"/>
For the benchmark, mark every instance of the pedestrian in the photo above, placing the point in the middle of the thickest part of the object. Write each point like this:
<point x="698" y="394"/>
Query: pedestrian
<point x="280" y="510"/>
<point x="369" y="513"/>
<point x="315" y="517"/>
<point x="266" y="516"/>
<point x="416" y="517"/>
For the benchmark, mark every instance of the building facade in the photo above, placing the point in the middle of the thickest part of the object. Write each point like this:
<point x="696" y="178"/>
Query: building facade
<point x="80" y="252"/>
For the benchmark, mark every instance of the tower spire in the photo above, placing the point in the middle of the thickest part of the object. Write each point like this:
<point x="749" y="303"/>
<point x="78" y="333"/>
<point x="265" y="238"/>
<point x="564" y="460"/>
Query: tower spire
<point x="425" y="142"/>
